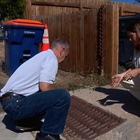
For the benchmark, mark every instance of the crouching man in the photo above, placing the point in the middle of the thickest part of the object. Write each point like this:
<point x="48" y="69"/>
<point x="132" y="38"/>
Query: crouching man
<point x="30" y="93"/>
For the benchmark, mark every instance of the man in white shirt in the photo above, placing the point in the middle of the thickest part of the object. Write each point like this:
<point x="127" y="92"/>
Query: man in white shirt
<point x="29" y="92"/>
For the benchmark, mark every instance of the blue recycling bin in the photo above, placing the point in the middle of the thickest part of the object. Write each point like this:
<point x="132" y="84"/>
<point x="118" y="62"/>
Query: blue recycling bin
<point x="22" y="38"/>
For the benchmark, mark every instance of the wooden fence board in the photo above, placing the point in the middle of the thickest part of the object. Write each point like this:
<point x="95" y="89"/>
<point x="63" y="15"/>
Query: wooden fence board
<point x="51" y="34"/>
<point x="87" y="37"/>
<point x="111" y="38"/>
<point x="116" y="39"/>
<point x="74" y="36"/>
<point x="90" y="41"/>
<point x="81" y="54"/>
<point x="67" y="36"/>
<point x="64" y="34"/>
<point x="59" y="23"/>
<point x="28" y="9"/>
<point x="70" y="33"/>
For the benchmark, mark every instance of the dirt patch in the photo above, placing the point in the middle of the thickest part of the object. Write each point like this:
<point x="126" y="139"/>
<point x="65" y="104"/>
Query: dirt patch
<point x="70" y="81"/>
<point x="3" y="76"/>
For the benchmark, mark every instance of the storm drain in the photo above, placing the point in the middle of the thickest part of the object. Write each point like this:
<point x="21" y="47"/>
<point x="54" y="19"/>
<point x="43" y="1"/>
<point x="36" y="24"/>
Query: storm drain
<point x="86" y="122"/>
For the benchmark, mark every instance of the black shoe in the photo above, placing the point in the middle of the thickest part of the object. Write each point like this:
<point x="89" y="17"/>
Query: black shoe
<point x="48" y="137"/>
<point x="24" y="126"/>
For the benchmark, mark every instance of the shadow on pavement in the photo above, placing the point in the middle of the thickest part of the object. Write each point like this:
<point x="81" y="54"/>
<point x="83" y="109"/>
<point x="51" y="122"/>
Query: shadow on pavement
<point x="9" y="123"/>
<point x="25" y="125"/>
<point x="118" y="96"/>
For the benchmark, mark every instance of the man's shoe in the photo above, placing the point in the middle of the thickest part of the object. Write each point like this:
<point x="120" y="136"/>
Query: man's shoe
<point x="48" y="137"/>
<point x="26" y="126"/>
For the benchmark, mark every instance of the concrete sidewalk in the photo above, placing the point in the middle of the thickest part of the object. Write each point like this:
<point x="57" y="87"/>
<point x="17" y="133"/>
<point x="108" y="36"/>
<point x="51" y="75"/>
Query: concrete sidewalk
<point x="116" y="101"/>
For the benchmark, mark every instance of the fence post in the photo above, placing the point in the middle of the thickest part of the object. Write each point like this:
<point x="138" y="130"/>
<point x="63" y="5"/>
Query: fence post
<point x="110" y="48"/>
<point x="28" y="9"/>
<point x="82" y="49"/>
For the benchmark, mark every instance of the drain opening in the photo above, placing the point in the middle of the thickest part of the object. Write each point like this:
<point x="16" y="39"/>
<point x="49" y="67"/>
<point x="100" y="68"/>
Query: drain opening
<point x="86" y="121"/>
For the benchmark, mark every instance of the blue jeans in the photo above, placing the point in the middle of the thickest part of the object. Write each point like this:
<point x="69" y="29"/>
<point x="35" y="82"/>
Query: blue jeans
<point x="53" y="105"/>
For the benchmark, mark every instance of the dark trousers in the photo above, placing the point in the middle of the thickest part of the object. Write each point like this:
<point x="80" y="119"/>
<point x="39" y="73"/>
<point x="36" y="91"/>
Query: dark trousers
<point x="53" y="105"/>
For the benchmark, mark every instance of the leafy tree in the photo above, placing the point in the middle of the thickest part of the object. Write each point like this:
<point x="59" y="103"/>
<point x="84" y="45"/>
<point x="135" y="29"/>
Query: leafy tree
<point x="11" y="9"/>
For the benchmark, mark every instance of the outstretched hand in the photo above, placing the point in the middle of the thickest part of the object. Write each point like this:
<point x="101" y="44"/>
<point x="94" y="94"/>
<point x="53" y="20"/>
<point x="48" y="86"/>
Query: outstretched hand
<point x="116" y="80"/>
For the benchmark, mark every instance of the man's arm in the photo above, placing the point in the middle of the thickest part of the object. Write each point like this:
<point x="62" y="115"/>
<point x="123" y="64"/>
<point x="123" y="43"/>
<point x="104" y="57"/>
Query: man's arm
<point x="45" y="86"/>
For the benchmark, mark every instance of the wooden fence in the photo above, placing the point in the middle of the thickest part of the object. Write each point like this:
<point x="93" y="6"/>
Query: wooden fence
<point x="80" y="28"/>
<point x="92" y="28"/>
<point x="55" y="7"/>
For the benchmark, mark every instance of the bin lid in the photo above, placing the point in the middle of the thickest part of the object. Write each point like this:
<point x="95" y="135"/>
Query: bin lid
<point x="24" y="22"/>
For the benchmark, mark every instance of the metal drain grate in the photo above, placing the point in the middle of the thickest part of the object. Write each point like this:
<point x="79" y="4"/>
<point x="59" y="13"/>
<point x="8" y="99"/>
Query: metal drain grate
<point x="86" y="122"/>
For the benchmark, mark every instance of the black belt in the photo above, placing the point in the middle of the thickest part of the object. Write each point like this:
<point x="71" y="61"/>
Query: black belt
<point x="8" y="95"/>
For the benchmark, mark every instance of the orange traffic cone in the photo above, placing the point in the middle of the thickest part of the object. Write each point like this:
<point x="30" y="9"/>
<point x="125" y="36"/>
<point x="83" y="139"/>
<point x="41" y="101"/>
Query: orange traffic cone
<point x="45" y="40"/>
